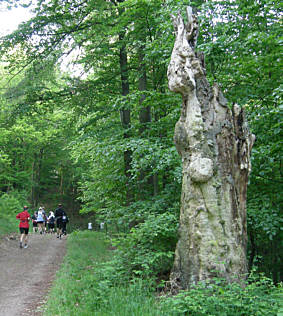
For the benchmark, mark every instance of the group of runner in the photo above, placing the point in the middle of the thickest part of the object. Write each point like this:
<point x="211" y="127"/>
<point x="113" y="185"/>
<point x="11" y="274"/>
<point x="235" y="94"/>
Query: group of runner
<point x="42" y="223"/>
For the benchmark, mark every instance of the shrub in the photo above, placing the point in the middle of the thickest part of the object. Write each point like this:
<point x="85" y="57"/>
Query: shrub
<point x="11" y="203"/>
<point x="149" y="249"/>
<point x="259" y="296"/>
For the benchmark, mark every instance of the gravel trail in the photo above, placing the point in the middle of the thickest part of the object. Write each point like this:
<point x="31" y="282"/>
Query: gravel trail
<point x="27" y="274"/>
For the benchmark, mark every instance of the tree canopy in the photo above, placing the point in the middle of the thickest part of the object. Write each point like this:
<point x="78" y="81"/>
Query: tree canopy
<point x="100" y="138"/>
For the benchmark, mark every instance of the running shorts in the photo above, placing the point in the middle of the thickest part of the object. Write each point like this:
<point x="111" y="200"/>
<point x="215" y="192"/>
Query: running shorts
<point x="59" y="224"/>
<point x="24" y="230"/>
<point x="51" y="225"/>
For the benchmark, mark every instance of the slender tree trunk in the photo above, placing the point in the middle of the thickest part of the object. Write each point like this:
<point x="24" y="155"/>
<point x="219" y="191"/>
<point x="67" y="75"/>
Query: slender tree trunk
<point x="144" y="118"/>
<point x="155" y="184"/>
<point x="125" y="114"/>
<point x="215" y="144"/>
<point x="32" y="194"/>
<point x="144" y="115"/>
<point x="37" y="176"/>
<point x="61" y="182"/>
<point x="253" y="250"/>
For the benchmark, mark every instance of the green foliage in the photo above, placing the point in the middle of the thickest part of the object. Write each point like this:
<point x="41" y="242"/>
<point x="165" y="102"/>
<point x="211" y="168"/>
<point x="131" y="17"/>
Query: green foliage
<point x="258" y="296"/>
<point x="7" y="225"/>
<point x="10" y="204"/>
<point x="33" y="156"/>
<point x="265" y="187"/>
<point x="241" y="41"/>
<point x="262" y="219"/>
<point x="149" y="249"/>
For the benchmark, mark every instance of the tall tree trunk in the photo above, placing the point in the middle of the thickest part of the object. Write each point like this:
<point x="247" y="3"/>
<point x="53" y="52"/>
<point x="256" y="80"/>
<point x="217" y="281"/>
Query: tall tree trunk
<point x="144" y="117"/>
<point x="38" y="158"/>
<point x="253" y="250"/>
<point x="125" y="114"/>
<point x="61" y="182"/>
<point x="32" y="194"/>
<point x="215" y="144"/>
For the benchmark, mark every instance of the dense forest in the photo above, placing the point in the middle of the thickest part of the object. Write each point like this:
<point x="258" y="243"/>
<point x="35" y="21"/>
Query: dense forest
<point x="87" y="119"/>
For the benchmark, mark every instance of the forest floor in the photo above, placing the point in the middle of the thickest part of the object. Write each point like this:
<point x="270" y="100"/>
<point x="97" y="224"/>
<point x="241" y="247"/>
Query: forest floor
<point x="26" y="275"/>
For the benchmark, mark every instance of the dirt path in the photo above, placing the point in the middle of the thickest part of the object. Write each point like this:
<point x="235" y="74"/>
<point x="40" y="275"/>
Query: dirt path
<point x="27" y="274"/>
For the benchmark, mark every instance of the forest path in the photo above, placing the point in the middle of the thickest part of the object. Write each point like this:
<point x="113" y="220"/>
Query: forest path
<point x="27" y="274"/>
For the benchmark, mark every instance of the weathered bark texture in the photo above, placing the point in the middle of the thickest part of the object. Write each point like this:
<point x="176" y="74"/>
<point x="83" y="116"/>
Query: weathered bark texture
<point x="215" y="145"/>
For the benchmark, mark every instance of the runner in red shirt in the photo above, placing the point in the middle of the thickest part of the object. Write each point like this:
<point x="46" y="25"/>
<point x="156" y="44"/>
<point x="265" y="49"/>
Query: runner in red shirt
<point x="24" y="218"/>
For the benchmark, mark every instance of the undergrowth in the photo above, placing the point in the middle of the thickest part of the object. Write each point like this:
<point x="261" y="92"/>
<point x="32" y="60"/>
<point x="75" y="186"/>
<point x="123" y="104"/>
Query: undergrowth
<point x="10" y="205"/>
<point x="7" y="225"/>
<point x="259" y="296"/>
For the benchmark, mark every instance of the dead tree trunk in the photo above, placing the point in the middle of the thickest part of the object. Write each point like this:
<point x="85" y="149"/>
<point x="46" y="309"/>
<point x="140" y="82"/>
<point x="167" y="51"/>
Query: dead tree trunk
<point x="215" y="145"/>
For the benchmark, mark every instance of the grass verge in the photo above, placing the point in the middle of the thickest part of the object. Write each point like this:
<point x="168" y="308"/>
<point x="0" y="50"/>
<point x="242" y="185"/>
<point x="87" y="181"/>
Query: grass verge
<point x="85" y="285"/>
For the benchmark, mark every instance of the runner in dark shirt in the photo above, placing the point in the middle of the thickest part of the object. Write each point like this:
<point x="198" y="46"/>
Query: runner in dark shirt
<point x="34" y="222"/>
<point x="59" y="213"/>
<point x="65" y="220"/>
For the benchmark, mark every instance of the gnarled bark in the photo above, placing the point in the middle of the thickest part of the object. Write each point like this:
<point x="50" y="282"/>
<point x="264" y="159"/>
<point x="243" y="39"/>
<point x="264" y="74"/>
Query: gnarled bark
<point x="215" y="145"/>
